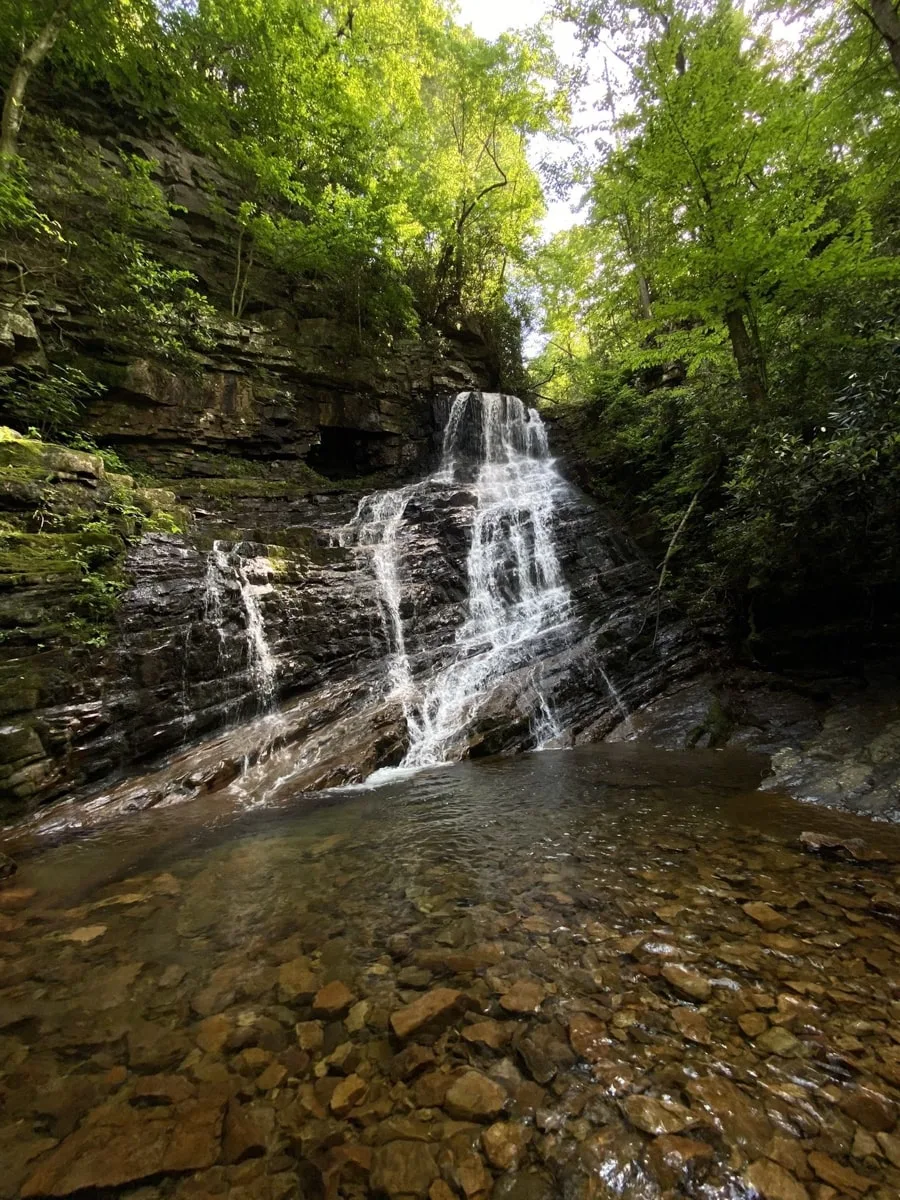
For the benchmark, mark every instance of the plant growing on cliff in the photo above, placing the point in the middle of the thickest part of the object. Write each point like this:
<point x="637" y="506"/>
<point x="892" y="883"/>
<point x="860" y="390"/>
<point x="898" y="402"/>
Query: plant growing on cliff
<point x="51" y="402"/>
<point x="150" y="307"/>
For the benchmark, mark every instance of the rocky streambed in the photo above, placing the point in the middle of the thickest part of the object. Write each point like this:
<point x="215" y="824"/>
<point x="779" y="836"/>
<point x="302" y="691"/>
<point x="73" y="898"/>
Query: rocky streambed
<point x="591" y="973"/>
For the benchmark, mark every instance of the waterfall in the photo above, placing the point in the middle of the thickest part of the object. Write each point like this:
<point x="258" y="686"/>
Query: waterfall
<point x="517" y="603"/>
<point x="226" y="571"/>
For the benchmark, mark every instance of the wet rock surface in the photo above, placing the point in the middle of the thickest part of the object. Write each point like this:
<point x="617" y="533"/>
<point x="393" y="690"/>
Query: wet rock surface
<point x="516" y="979"/>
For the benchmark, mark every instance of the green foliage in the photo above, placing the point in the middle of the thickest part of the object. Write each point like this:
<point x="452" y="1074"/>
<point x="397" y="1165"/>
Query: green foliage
<point x="726" y="324"/>
<point x="50" y="403"/>
<point x="148" y="306"/>
<point x="19" y="215"/>
<point x="380" y="149"/>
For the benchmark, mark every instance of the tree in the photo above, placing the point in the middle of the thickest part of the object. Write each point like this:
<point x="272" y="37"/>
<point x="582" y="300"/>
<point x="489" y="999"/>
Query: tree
<point x="14" y="101"/>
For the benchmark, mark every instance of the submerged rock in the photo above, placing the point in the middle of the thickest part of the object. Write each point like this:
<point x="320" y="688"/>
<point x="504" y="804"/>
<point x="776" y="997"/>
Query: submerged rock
<point x="432" y="1011"/>
<point x="147" y="1143"/>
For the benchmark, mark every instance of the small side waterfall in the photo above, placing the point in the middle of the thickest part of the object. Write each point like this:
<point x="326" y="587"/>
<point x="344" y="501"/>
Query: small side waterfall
<point x="517" y="603"/>
<point x="226" y="572"/>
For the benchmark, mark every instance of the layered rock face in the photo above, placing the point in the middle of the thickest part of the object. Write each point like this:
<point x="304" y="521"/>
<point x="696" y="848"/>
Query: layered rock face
<point x="273" y="619"/>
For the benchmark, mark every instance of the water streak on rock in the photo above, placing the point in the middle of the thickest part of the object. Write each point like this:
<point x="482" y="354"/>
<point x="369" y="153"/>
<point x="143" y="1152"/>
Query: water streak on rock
<point x="227" y="571"/>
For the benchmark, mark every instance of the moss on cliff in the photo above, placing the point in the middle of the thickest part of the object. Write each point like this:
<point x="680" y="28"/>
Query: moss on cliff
<point x="65" y="531"/>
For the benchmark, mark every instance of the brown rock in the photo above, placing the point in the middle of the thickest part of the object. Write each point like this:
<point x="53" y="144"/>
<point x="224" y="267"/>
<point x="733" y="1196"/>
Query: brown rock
<point x="333" y="1000"/>
<point x="741" y="1120"/>
<point x="103" y="1156"/>
<point x="411" y="1061"/>
<point x="688" y="982"/>
<point x="864" y="1145"/>
<point x="765" y="915"/>
<point x="869" y="1108"/>
<point x="657" y="1116"/>
<point x="435" y="1010"/>
<point x="692" y="1025"/>
<point x="843" y="1178"/>
<point x="588" y="1036"/>
<point x="431" y="1090"/>
<point x="525" y="996"/>
<point x="488" y="1033"/>
<point x="87" y="933"/>
<point x="790" y="1154"/>
<point x="474" y="1097"/>
<point x="671" y="1157"/>
<point x="153" y="1048"/>
<point x="246" y="1133"/>
<point x="773" y="1182"/>
<point x="348" y="1093"/>
<point x="890" y="1144"/>
<point x="297" y="982"/>
<point x="441" y="1191"/>
<point x="310" y="1035"/>
<point x="753" y="1024"/>
<point x="780" y="1041"/>
<point x="274" y="1075"/>
<point x="473" y="1177"/>
<point x="505" y="1143"/>
<point x="403" y="1169"/>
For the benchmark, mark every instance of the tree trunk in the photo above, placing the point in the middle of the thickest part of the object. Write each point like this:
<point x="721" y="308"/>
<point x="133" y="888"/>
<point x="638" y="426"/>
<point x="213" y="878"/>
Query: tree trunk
<point x="886" y="19"/>
<point x="13" y="105"/>
<point x="746" y="358"/>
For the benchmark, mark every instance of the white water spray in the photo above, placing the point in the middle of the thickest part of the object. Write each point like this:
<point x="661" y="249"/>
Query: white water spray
<point x="518" y="605"/>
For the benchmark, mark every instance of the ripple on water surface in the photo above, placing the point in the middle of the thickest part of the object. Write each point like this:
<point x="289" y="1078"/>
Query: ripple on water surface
<point x="609" y="972"/>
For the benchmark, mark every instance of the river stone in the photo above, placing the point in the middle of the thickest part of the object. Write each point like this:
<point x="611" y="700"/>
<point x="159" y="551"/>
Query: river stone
<point x="773" y="1182"/>
<point x="843" y="1178"/>
<point x="487" y="1033"/>
<point x="765" y="915"/>
<point x="780" y="1041"/>
<point x="473" y="1177"/>
<point x="753" y="1024"/>
<point x="212" y="1034"/>
<point x="742" y="1121"/>
<point x="403" y="1169"/>
<point x="310" y="1035"/>
<point x="297" y="982"/>
<point x="85" y="934"/>
<point x="411" y="1061"/>
<point x="348" y="1093"/>
<point x="505" y="1143"/>
<point x="525" y="996"/>
<point x="890" y="1145"/>
<point x="692" y="1025"/>
<point x="671" y="1157"/>
<point x="474" y="1097"/>
<point x="7" y="866"/>
<point x="333" y="1000"/>
<point x="688" y="982"/>
<point x="145" y="1144"/>
<point x="657" y="1116"/>
<point x="430" y="1012"/>
<point x="248" y="1128"/>
<point x="587" y="1035"/>
<point x="869" y="1108"/>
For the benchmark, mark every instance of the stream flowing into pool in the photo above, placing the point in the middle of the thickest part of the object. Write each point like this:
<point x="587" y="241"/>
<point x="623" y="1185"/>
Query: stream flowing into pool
<point x="589" y="974"/>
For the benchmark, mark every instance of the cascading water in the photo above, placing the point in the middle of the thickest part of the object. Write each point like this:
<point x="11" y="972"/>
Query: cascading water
<point x="517" y="605"/>
<point x="225" y="568"/>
